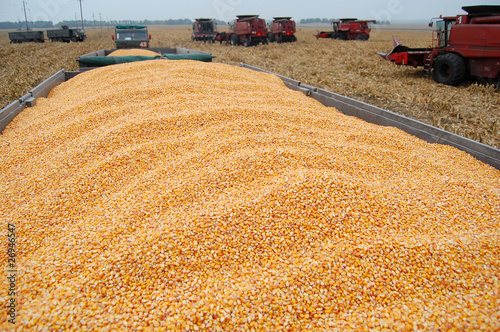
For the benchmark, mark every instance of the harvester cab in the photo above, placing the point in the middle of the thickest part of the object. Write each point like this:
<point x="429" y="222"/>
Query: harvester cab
<point x="442" y="30"/>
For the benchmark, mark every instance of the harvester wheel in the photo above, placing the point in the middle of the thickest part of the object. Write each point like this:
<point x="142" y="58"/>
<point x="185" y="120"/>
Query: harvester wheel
<point x="271" y="37"/>
<point x="294" y="39"/>
<point x="342" y="36"/>
<point x="247" y="42"/>
<point x="234" y="40"/>
<point x="278" y="39"/>
<point x="359" y="37"/>
<point x="449" y="69"/>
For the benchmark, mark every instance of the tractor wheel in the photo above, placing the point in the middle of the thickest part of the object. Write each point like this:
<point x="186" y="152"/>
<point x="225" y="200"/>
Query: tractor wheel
<point x="271" y="37"/>
<point x="367" y="37"/>
<point x="235" y="40"/>
<point x="247" y="42"/>
<point x="449" y="69"/>
<point x="294" y="39"/>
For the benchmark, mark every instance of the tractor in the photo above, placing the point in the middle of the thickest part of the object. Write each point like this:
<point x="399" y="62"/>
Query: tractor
<point x="282" y="30"/>
<point x="204" y="30"/>
<point x="246" y="30"/>
<point x="464" y="46"/>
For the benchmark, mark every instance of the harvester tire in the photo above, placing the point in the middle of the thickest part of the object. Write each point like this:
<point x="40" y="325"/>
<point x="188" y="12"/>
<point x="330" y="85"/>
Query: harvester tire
<point x="235" y="40"/>
<point x="271" y="37"/>
<point x="247" y="42"/>
<point x="449" y="69"/>
<point x="342" y="36"/>
<point x="294" y="39"/>
<point x="279" y="39"/>
<point x="359" y="37"/>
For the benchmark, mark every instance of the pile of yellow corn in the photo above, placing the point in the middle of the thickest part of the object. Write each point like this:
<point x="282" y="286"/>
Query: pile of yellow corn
<point x="200" y="196"/>
<point x="133" y="51"/>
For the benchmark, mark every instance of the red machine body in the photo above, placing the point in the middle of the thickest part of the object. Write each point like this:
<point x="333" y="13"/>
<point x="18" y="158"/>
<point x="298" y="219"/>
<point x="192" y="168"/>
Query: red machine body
<point x="348" y="29"/>
<point x="352" y="29"/>
<point x="246" y="30"/>
<point x="282" y="30"/>
<point x="204" y="29"/>
<point x="465" y="46"/>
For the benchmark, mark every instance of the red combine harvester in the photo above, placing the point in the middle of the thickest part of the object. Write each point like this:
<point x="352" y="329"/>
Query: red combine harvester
<point x="246" y="30"/>
<point x="204" y="30"/>
<point x="465" y="46"/>
<point x="348" y="29"/>
<point x="282" y="30"/>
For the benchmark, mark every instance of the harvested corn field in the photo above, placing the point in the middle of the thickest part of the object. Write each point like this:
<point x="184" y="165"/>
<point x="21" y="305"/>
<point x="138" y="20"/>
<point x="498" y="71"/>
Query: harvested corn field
<point x="134" y="51"/>
<point x="348" y="68"/>
<point x="250" y="207"/>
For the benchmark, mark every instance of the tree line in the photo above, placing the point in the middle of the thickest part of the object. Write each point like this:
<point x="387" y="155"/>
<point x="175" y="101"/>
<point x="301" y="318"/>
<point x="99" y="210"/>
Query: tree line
<point x="316" y="20"/>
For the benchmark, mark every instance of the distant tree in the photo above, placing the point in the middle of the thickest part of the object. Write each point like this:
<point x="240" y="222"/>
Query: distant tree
<point x="220" y="22"/>
<point x="22" y="25"/>
<point x="315" y="20"/>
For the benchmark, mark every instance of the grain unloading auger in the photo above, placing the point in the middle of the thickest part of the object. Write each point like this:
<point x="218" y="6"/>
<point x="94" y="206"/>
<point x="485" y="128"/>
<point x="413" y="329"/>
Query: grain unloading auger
<point x="467" y="46"/>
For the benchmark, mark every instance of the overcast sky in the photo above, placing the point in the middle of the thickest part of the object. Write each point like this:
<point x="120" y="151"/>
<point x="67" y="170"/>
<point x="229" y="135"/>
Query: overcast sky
<point x="393" y="10"/>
